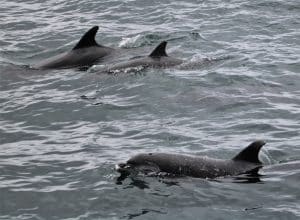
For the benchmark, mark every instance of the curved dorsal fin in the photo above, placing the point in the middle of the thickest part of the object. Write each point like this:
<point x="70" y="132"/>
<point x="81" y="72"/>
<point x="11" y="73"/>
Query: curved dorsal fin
<point x="88" y="39"/>
<point x="250" y="153"/>
<point x="160" y="50"/>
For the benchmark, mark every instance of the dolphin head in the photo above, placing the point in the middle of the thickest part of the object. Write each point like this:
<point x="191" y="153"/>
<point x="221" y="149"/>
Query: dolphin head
<point x="124" y="168"/>
<point x="139" y="163"/>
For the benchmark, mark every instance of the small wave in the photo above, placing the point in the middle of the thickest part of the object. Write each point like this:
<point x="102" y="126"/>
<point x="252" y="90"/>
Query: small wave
<point x="141" y="40"/>
<point x="134" y="41"/>
<point x="199" y="62"/>
<point x="106" y="69"/>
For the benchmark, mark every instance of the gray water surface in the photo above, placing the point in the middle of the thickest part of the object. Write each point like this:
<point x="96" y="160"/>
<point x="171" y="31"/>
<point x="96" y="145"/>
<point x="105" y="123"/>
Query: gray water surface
<point x="62" y="131"/>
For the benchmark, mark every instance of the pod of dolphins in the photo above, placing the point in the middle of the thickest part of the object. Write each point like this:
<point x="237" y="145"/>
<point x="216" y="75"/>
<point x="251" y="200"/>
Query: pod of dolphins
<point x="88" y="52"/>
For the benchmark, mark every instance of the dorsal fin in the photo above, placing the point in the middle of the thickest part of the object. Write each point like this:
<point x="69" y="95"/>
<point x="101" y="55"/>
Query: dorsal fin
<point x="160" y="50"/>
<point x="88" y="39"/>
<point x="250" y="153"/>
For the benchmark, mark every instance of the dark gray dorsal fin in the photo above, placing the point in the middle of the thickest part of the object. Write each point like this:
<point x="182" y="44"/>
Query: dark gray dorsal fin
<point x="250" y="153"/>
<point x="160" y="50"/>
<point x="88" y="39"/>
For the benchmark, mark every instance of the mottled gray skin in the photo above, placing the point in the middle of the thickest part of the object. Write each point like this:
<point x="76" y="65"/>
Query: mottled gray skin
<point x="145" y="62"/>
<point x="202" y="167"/>
<point x="157" y="59"/>
<point x="86" y="53"/>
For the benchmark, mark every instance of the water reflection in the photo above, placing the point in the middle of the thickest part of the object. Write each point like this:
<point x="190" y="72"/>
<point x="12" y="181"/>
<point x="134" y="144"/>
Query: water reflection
<point x="143" y="184"/>
<point x="250" y="177"/>
<point x="143" y="212"/>
<point x="254" y="176"/>
<point x="135" y="182"/>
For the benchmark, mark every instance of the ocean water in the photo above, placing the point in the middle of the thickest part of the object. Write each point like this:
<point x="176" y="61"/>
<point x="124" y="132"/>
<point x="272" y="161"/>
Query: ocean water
<point x="63" y="131"/>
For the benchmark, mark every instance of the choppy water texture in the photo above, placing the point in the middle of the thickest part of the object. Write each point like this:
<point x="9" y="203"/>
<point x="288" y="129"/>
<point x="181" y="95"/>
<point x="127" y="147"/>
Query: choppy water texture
<point x="62" y="131"/>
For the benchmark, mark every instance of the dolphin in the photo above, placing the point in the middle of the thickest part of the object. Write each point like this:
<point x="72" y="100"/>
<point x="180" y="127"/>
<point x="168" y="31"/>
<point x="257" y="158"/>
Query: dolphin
<point x="158" y="58"/>
<point x="246" y="161"/>
<point x="86" y="52"/>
